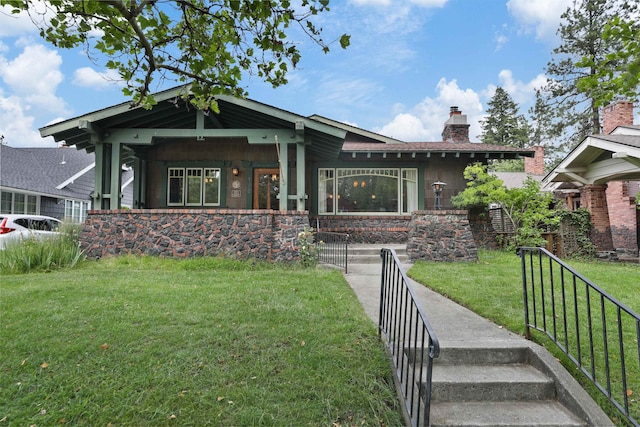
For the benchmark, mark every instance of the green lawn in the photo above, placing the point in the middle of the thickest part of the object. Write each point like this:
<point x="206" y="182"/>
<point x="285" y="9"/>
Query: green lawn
<point x="493" y="288"/>
<point x="136" y="341"/>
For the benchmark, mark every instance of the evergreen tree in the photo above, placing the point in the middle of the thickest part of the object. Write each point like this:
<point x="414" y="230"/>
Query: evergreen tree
<point x="503" y="125"/>
<point x="575" y="112"/>
<point x="618" y="74"/>
<point x="541" y="130"/>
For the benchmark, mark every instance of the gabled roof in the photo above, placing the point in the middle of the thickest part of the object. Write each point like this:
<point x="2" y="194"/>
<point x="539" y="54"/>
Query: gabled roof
<point x="601" y="158"/>
<point x="626" y="130"/>
<point x="481" y="151"/>
<point x="355" y="133"/>
<point x="44" y="171"/>
<point x="174" y="118"/>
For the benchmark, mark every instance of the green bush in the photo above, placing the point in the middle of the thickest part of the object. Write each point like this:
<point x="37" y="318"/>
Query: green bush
<point x="27" y="255"/>
<point x="309" y="251"/>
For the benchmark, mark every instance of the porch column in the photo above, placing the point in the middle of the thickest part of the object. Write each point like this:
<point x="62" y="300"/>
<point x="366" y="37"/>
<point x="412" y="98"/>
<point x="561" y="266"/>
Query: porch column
<point x="594" y="199"/>
<point x="108" y="176"/>
<point x="116" y="176"/>
<point x="284" y="174"/>
<point x="300" y="167"/>
<point x="139" y="182"/>
<point x="96" y="194"/>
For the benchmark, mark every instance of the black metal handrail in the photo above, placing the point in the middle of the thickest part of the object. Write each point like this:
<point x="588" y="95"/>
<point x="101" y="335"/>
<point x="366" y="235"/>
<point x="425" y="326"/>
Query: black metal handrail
<point x="409" y="336"/>
<point x="596" y="332"/>
<point x="333" y="248"/>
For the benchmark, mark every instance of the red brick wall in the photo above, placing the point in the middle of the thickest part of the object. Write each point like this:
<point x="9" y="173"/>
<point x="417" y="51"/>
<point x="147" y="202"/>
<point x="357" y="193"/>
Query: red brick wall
<point x="535" y="165"/>
<point x="618" y="114"/>
<point x="622" y="216"/>
<point x="594" y="199"/>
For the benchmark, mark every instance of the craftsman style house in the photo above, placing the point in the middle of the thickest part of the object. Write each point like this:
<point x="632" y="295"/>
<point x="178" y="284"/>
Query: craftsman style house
<point x="602" y="174"/>
<point x="245" y="180"/>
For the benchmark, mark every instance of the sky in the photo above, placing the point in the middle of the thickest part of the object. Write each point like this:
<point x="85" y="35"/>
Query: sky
<point x="408" y="63"/>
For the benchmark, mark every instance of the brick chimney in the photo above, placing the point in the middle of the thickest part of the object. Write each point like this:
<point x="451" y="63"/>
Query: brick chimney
<point x="535" y="165"/>
<point x="456" y="129"/>
<point x="618" y="114"/>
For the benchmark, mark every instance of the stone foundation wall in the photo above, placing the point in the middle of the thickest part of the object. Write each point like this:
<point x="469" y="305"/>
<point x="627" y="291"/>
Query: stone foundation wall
<point x="260" y="234"/>
<point x="441" y="236"/>
<point x="366" y="229"/>
<point x="482" y="229"/>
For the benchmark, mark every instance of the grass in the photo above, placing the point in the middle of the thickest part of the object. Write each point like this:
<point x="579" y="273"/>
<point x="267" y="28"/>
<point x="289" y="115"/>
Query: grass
<point x="31" y="254"/>
<point x="493" y="288"/>
<point x="138" y="341"/>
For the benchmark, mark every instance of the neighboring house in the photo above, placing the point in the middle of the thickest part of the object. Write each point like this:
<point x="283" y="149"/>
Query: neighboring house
<point x="255" y="160"/>
<point x="602" y="174"/>
<point x="56" y="182"/>
<point x="533" y="168"/>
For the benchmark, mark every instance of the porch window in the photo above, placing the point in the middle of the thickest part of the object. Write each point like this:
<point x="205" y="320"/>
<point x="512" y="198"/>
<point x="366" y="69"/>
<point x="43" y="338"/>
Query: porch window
<point x="212" y="187"/>
<point x="367" y="190"/>
<point x="75" y="211"/>
<point x="175" y="187"/>
<point x="193" y="187"/>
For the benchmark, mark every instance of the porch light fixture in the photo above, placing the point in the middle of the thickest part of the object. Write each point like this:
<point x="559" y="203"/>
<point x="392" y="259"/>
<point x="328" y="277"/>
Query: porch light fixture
<point x="438" y="186"/>
<point x="235" y="171"/>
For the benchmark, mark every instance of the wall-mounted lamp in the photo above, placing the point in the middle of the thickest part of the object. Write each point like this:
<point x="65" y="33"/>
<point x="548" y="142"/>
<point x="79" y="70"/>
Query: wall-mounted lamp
<point x="438" y="186"/>
<point x="235" y="171"/>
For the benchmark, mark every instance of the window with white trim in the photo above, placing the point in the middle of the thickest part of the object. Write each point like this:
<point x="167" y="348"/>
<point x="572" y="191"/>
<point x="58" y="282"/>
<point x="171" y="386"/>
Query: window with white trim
<point x="75" y="211"/>
<point x="193" y="187"/>
<point x="376" y="191"/>
<point x="18" y="203"/>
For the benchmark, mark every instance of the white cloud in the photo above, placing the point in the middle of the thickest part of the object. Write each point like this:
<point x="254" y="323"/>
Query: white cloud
<point x="521" y="92"/>
<point x="17" y="126"/>
<point x="429" y="3"/>
<point x="346" y="93"/>
<point x="371" y="2"/>
<point x="88" y="77"/>
<point x="21" y="23"/>
<point x="500" y="40"/>
<point x="29" y="83"/>
<point x="424" y="121"/>
<point x="542" y="16"/>
<point x="34" y="75"/>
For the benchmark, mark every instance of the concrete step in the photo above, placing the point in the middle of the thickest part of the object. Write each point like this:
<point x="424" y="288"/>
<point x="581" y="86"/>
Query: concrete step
<point x="507" y="413"/>
<point x="370" y="254"/>
<point x="464" y="353"/>
<point x="464" y="383"/>
<point x="503" y="384"/>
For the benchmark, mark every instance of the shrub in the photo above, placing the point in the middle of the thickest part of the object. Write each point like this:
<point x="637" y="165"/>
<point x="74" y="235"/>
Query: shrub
<point x="309" y="251"/>
<point x="25" y="255"/>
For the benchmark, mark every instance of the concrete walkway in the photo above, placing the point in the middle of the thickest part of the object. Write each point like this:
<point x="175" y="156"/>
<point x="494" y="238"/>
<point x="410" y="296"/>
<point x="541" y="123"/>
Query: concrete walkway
<point x="459" y="328"/>
<point x="451" y="322"/>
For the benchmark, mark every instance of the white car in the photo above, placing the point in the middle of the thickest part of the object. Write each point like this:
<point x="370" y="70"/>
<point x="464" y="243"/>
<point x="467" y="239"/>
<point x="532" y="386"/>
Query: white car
<point x="19" y="227"/>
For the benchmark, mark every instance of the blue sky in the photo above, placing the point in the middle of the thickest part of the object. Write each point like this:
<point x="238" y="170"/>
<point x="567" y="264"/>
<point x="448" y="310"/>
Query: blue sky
<point x="409" y="61"/>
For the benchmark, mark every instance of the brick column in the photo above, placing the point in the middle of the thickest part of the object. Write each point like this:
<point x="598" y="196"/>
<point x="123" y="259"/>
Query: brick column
<point x="623" y="218"/>
<point x="594" y="199"/>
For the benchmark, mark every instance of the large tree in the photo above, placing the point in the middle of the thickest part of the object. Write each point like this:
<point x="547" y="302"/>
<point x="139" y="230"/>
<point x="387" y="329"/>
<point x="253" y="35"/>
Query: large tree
<point x="575" y="110"/>
<point x="618" y="74"/>
<point x="206" y="43"/>
<point x="503" y="125"/>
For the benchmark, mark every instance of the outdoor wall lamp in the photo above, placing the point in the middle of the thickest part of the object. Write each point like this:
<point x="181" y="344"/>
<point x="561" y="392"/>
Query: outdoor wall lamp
<point x="235" y="171"/>
<point x="438" y="186"/>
